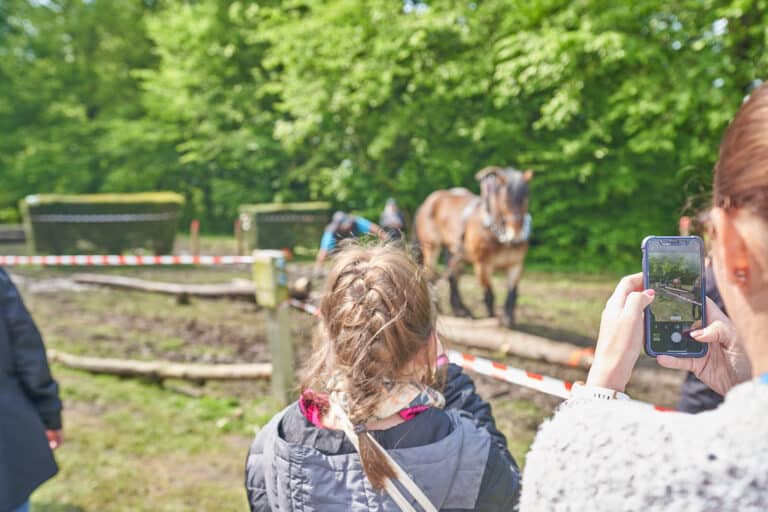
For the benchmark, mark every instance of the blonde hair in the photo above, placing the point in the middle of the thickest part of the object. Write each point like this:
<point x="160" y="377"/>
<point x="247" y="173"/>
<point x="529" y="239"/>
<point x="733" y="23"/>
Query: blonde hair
<point x="377" y="315"/>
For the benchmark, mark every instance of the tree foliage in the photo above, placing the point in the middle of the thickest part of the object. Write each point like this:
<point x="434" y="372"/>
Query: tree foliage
<point x="617" y="106"/>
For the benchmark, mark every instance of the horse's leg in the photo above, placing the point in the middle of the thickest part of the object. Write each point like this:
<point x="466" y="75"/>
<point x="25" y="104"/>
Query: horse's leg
<point x="513" y="276"/>
<point x="458" y="307"/>
<point x="483" y="276"/>
<point x="429" y="255"/>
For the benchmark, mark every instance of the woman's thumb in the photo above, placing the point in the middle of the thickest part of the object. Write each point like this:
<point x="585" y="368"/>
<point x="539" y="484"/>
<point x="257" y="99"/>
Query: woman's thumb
<point x="638" y="301"/>
<point x="713" y="333"/>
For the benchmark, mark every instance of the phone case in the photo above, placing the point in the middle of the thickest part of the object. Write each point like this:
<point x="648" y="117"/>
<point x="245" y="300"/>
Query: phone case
<point x="646" y="284"/>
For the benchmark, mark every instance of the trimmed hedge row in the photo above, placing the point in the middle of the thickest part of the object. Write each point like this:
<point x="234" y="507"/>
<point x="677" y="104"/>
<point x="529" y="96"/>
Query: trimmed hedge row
<point x="94" y="223"/>
<point x="283" y="225"/>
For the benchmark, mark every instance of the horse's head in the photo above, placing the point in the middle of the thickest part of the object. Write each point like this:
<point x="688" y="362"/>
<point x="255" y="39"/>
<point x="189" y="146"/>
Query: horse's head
<point x="505" y="197"/>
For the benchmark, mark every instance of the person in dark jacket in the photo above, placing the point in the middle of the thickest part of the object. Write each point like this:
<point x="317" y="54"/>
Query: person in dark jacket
<point x="30" y="409"/>
<point x="374" y="383"/>
<point x="392" y="220"/>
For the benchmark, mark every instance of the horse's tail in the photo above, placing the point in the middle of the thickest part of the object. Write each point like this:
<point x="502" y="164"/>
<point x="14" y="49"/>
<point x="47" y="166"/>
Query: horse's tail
<point x="424" y="213"/>
<point x="415" y="244"/>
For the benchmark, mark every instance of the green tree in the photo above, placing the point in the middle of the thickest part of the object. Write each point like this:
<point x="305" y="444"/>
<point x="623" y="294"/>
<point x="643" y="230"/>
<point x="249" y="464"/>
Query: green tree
<point x="208" y="97"/>
<point x="65" y="85"/>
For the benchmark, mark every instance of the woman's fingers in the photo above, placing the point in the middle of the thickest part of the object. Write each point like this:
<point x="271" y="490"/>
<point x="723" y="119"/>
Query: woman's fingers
<point x="715" y="332"/>
<point x="627" y="285"/>
<point x="637" y="302"/>
<point x="676" y="363"/>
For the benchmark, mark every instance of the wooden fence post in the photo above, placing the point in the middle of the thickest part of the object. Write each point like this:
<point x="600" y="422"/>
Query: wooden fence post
<point x="194" y="237"/>
<point x="239" y="236"/>
<point x="272" y="294"/>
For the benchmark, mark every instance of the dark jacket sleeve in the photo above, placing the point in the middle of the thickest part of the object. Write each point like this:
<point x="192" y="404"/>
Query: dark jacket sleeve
<point x="460" y="393"/>
<point x="30" y="361"/>
<point x="255" y="483"/>
<point x="500" y="486"/>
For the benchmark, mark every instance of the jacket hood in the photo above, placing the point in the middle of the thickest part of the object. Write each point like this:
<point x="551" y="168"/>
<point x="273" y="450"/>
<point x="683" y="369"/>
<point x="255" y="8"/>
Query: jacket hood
<point x="302" y="478"/>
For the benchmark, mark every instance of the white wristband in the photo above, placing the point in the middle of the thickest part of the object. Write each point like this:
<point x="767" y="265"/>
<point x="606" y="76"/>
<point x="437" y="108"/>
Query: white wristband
<point x="580" y="390"/>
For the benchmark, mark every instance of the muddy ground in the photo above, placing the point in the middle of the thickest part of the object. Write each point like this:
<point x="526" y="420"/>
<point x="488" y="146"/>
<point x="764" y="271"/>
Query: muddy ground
<point x="181" y="446"/>
<point x="116" y="323"/>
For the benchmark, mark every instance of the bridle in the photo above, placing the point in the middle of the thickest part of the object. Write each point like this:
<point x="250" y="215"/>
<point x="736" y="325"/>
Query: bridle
<point x="489" y="187"/>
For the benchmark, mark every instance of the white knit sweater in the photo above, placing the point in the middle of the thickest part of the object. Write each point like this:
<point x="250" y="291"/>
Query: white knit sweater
<point x="616" y="455"/>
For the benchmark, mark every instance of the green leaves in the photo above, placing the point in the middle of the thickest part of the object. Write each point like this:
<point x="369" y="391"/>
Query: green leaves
<point x="618" y="106"/>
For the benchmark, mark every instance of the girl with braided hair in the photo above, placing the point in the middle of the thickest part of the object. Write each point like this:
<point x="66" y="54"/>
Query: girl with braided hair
<point x="383" y="422"/>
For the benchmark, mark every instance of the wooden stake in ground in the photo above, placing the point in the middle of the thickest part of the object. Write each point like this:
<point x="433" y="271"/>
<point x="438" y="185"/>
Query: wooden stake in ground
<point x="239" y="236"/>
<point x="194" y="237"/>
<point x="272" y="293"/>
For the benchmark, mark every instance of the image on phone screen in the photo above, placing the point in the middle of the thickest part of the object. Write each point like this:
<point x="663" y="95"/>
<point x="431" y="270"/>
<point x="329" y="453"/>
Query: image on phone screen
<point x="674" y="272"/>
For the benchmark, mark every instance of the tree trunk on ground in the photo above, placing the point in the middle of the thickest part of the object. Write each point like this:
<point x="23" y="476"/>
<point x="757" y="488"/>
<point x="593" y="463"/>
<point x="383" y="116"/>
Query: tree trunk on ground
<point x="160" y="370"/>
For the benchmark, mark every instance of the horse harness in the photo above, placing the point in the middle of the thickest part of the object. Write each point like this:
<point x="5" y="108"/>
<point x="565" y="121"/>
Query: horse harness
<point x="489" y="222"/>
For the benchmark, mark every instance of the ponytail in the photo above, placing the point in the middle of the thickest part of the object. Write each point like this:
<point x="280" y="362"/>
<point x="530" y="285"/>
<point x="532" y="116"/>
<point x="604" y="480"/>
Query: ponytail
<point x="377" y="468"/>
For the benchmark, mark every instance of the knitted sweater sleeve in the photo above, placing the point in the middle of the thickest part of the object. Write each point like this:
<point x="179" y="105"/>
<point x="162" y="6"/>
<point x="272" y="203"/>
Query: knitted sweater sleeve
<point x="617" y="455"/>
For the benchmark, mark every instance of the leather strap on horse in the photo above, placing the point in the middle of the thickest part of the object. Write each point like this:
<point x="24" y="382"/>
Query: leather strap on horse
<point x="488" y="221"/>
<point x="466" y="213"/>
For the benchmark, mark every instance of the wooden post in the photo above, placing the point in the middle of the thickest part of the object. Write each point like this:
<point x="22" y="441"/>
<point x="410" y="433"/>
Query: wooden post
<point x="194" y="238"/>
<point x="239" y="236"/>
<point x="272" y="294"/>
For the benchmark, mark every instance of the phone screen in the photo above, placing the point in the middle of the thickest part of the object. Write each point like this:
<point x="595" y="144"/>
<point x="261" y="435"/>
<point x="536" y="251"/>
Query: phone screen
<point x="674" y="272"/>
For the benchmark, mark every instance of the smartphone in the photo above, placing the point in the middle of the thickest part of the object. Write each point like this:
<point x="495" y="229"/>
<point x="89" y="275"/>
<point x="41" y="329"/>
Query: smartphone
<point x="673" y="266"/>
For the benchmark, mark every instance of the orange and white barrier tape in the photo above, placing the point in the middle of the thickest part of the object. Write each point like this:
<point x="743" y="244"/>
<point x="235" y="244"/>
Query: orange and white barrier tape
<point x="510" y="374"/>
<point x="548" y="385"/>
<point x="305" y="307"/>
<point x="117" y="260"/>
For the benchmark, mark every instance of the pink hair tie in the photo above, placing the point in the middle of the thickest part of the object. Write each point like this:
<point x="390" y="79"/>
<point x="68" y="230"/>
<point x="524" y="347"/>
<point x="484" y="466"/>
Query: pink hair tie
<point x="411" y="412"/>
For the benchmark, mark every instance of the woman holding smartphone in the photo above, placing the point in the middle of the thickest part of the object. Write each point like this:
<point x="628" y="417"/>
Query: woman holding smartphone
<point x="602" y="452"/>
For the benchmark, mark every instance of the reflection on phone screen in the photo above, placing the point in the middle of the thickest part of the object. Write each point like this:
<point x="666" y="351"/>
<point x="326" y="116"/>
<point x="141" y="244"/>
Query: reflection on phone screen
<point x="674" y="272"/>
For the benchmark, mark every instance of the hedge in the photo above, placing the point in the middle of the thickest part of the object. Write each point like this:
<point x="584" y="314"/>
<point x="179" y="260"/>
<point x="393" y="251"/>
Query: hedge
<point x="94" y="223"/>
<point x="283" y="225"/>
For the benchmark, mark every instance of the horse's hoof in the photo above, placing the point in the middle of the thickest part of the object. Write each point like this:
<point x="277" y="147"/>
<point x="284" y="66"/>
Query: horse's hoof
<point x="508" y="322"/>
<point x="462" y="313"/>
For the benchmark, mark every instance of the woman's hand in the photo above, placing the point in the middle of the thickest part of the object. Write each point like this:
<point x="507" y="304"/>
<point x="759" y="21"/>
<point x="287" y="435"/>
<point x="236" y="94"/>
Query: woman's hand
<point x="54" y="438"/>
<point x="621" y="334"/>
<point x="725" y="364"/>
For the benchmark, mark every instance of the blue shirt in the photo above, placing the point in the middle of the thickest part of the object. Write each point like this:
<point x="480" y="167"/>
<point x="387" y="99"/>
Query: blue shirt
<point x="361" y="226"/>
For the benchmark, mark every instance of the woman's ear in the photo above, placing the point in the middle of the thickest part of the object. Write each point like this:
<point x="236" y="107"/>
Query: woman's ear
<point x="732" y="250"/>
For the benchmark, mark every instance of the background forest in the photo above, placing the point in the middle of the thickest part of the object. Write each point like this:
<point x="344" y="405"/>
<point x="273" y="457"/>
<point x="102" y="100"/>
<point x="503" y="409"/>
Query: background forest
<point x="617" y="106"/>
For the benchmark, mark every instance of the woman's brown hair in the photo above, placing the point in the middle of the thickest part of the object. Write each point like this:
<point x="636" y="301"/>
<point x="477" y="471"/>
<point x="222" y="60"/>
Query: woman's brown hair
<point x="377" y="315"/>
<point x="741" y="172"/>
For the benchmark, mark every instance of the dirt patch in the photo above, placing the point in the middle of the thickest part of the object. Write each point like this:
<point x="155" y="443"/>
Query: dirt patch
<point x="117" y="323"/>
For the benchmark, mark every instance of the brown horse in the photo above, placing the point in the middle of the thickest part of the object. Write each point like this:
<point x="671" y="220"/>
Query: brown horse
<point x="490" y="231"/>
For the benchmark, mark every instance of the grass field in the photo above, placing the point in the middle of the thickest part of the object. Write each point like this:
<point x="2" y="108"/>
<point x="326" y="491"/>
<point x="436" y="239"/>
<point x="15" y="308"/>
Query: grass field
<point x="139" y="446"/>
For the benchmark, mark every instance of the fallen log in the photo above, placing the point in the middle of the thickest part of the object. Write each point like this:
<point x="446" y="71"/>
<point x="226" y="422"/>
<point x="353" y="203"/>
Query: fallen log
<point x="488" y="335"/>
<point x="239" y="289"/>
<point x="160" y="370"/>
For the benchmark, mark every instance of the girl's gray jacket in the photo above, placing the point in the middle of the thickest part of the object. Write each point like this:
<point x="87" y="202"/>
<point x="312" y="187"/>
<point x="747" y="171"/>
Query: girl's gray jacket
<point x="615" y="455"/>
<point x="456" y="456"/>
<point x="29" y="402"/>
